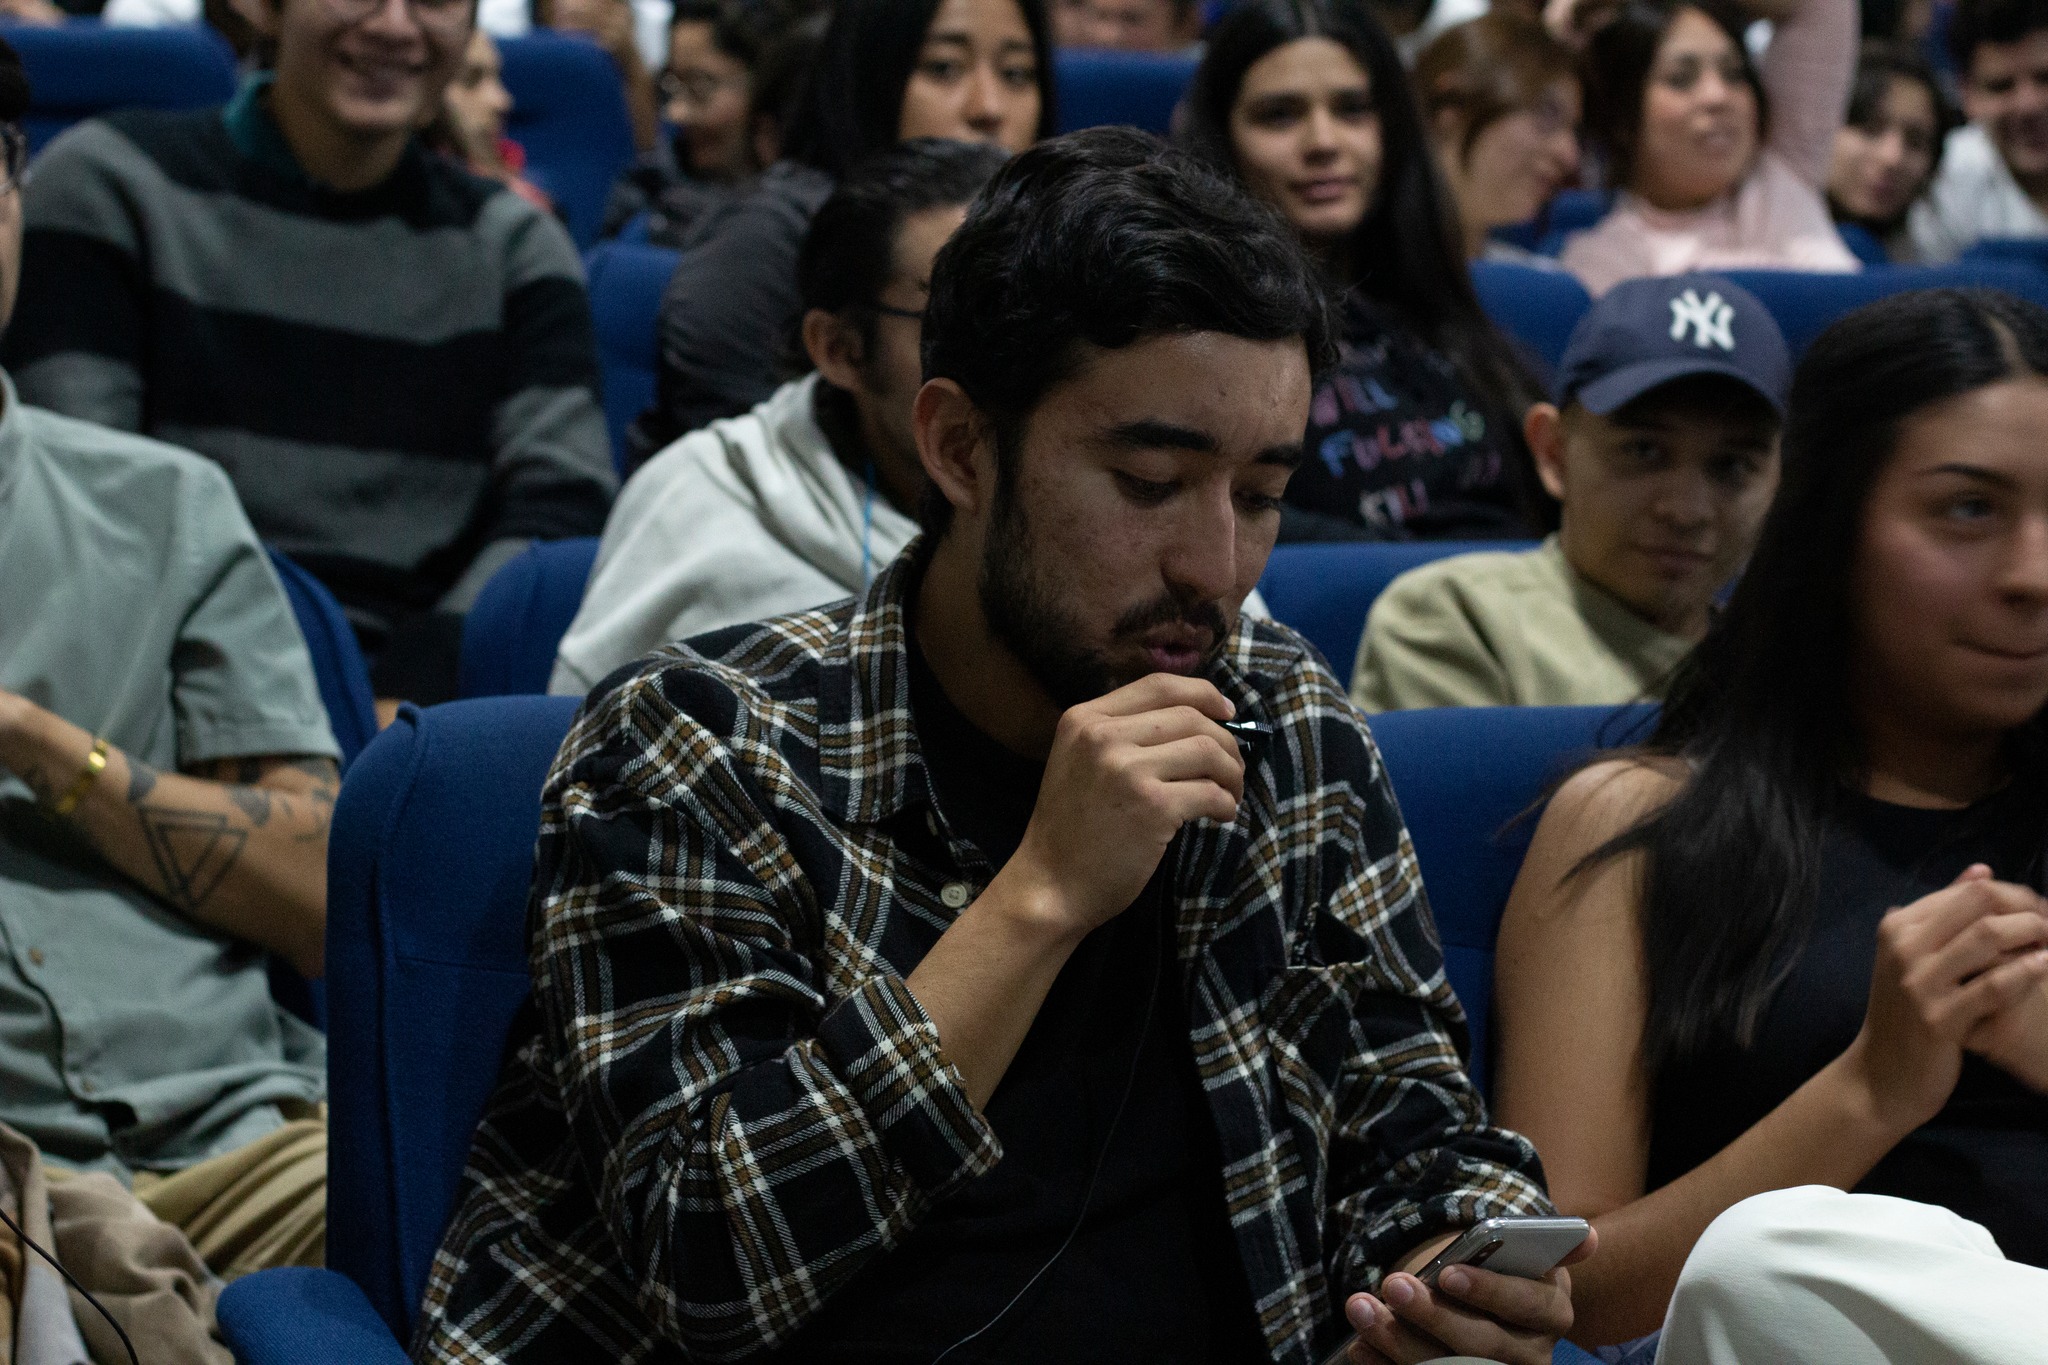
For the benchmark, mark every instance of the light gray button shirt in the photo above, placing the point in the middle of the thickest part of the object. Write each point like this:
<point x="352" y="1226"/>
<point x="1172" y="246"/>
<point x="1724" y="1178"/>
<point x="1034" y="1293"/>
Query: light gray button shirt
<point x="136" y="602"/>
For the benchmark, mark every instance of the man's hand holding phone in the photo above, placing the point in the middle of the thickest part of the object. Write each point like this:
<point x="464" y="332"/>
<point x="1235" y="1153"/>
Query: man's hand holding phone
<point x="1471" y="1311"/>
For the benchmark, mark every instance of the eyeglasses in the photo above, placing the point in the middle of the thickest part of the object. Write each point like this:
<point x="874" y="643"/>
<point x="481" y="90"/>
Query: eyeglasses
<point x="698" y="87"/>
<point x="13" y="156"/>
<point x="444" y="15"/>
<point x="890" y="310"/>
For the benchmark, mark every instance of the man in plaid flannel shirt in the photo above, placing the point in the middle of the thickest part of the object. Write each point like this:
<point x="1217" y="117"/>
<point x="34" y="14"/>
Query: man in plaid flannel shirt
<point x="842" y="921"/>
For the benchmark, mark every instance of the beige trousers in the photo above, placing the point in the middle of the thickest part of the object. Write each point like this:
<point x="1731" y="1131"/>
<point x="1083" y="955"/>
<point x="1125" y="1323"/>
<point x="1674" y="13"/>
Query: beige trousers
<point x="259" y="1206"/>
<point x="1813" y="1274"/>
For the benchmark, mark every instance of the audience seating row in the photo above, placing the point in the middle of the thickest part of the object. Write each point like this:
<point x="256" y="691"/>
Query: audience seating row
<point x="1540" y="307"/>
<point x="427" y="968"/>
<point x="511" y="634"/>
<point x="568" y="109"/>
<point x="1325" y="590"/>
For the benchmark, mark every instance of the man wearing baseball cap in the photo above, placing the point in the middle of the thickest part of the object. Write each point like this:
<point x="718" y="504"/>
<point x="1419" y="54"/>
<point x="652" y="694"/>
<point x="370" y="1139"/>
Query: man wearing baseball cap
<point x="1662" y="449"/>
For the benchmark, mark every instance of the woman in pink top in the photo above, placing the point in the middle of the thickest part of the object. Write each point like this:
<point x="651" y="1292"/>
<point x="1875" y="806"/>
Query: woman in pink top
<point x="1720" y="168"/>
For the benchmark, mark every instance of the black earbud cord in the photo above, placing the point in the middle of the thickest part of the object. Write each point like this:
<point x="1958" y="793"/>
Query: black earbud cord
<point x="1102" y="1157"/>
<point x="71" y="1280"/>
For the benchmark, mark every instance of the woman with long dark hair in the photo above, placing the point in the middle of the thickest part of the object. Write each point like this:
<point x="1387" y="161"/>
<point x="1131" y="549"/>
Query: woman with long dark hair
<point x="1889" y="147"/>
<point x="1796" y="938"/>
<point x="1418" y="433"/>
<point x="973" y="70"/>
<point x="1720" y="165"/>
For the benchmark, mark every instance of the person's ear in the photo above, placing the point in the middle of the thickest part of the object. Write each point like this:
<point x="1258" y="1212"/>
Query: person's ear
<point x="1976" y="108"/>
<point x="834" y="346"/>
<point x="953" y="443"/>
<point x="265" y="16"/>
<point x="1543" y="429"/>
<point x="765" y="140"/>
<point x="1447" y="130"/>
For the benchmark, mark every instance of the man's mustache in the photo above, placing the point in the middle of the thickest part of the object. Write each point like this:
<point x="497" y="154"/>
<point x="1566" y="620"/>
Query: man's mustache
<point x="1172" y="611"/>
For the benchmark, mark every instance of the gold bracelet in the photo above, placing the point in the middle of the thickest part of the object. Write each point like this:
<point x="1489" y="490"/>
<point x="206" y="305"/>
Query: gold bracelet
<point x="95" y="764"/>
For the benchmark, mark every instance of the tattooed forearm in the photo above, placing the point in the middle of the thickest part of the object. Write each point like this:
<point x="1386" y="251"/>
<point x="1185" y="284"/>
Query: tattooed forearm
<point x="194" y="851"/>
<point x="253" y="802"/>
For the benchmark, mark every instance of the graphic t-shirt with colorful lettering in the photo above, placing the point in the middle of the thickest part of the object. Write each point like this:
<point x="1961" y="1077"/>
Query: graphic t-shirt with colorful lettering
<point x="1402" y="446"/>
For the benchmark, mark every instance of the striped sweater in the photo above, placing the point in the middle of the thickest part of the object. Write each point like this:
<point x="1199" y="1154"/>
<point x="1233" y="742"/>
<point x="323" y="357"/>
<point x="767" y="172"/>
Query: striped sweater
<point x="396" y="379"/>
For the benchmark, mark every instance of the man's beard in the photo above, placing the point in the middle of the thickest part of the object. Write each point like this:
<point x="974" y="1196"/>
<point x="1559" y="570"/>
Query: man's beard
<point x="1024" y="611"/>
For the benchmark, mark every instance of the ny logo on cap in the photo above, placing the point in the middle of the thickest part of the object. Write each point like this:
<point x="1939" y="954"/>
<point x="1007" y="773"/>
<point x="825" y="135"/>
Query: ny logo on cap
<point x="1711" y="320"/>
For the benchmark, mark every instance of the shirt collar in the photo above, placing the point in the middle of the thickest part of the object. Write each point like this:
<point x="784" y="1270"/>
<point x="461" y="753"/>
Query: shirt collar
<point x="12" y="438"/>
<point x="869" y="764"/>
<point x="255" y="132"/>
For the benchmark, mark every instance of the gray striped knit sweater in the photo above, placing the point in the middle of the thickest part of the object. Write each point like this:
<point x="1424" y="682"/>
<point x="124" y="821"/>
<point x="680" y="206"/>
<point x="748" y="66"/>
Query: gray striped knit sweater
<point x="395" y="379"/>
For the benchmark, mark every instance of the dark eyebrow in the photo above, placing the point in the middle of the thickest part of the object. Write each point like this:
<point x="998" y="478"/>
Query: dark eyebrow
<point x="1146" y="434"/>
<point x="1977" y="472"/>
<point x="1287" y="456"/>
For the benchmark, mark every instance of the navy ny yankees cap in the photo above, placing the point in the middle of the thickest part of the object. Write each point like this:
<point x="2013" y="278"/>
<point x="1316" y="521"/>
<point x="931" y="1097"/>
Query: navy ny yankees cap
<point x="1648" y="332"/>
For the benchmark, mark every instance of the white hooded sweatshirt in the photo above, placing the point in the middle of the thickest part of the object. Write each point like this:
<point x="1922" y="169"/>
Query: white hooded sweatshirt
<point x="750" y="517"/>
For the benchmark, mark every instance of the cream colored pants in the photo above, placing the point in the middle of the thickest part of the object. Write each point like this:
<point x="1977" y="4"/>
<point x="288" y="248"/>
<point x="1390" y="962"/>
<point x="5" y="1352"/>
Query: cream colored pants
<point x="1813" y="1274"/>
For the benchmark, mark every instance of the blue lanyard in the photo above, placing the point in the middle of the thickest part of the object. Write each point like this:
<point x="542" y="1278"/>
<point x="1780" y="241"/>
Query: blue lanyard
<point x="867" y="531"/>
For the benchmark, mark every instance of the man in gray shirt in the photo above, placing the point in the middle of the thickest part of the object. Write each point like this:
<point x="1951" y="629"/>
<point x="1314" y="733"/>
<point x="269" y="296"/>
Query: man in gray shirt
<point x="166" y="782"/>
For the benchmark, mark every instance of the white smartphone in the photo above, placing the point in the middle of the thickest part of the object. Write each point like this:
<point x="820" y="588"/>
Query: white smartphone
<point x="1527" y="1248"/>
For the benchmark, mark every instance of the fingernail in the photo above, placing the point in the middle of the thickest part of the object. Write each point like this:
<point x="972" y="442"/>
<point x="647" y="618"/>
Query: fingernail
<point x="1400" y="1293"/>
<point x="1363" y="1314"/>
<point x="1455" y="1280"/>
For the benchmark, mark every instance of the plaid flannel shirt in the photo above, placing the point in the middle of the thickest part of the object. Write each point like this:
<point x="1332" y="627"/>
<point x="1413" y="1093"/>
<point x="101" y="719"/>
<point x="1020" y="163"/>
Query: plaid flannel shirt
<point x="731" y="1101"/>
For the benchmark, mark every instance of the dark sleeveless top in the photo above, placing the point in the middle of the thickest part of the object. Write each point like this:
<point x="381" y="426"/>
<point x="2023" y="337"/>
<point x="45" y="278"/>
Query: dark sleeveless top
<point x="1985" y="1155"/>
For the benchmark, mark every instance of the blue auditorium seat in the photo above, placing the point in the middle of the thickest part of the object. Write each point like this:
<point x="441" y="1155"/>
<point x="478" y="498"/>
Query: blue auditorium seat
<point x="1568" y="211"/>
<point x="1142" y="89"/>
<point x="427" y="964"/>
<point x="626" y="284"/>
<point x="82" y="68"/>
<point x="1805" y="303"/>
<point x="426" y="967"/>
<point x="1863" y="244"/>
<point x="1536" y="306"/>
<point x="569" y="113"/>
<point x="510" y="636"/>
<point x="338" y="663"/>
<point x="2028" y="251"/>
<point x="1463" y="776"/>
<point x="1324" y="590"/>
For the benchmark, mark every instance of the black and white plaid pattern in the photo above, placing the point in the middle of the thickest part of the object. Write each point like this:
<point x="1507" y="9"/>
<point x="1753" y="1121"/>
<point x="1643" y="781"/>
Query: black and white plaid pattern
<point x="731" y="1102"/>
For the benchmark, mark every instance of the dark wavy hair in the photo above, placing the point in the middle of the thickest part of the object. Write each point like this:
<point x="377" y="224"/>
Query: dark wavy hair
<point x="1101" y="239"/>
<point x="850" y="249"/>
<point x="1760" y="713"/>
<point x="1616" y="71"/>
<point x="1879" y="62"/>
<point x="1408" y="251"/>
<point x="1977" y="22"/>
<point x="852" y="104"/>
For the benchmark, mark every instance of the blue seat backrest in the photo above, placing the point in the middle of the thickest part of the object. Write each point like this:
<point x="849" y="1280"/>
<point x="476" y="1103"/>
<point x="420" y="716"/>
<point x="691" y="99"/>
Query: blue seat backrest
<point x="1463" y="776"/>
<point x="338" y="664"/>
<point x="569" y="113"/>
<point x="428" y="870"/>
<point x="1540" y="307"/>
<point x="1324" y="590"/>
<point x="1141" y="89"/>
<point x="2028" y="251"/>
<point x="82" y="68"/>
<point x="1863" y="244"/>
<point x="1806" y="303"/>
<point x="510" y="636"/>
<point x="626" y="284"/>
